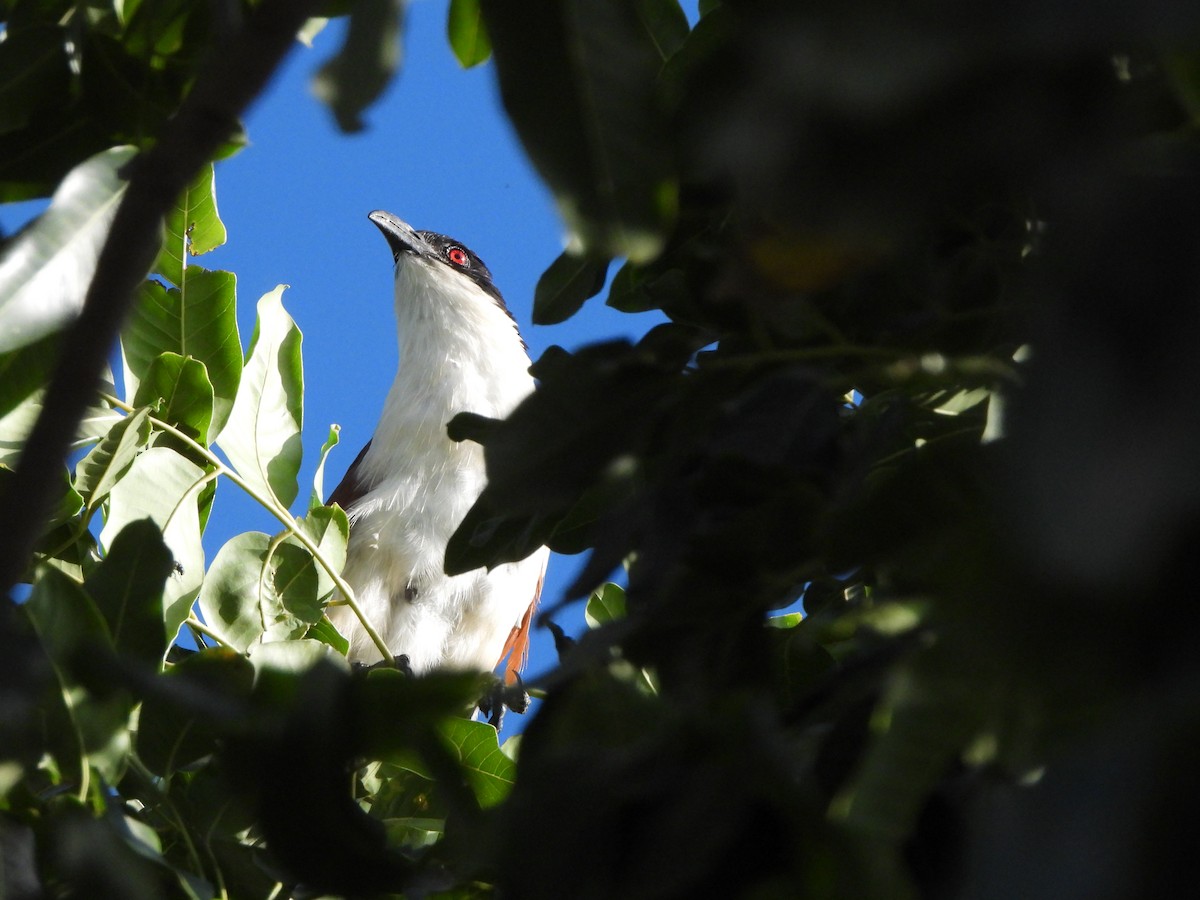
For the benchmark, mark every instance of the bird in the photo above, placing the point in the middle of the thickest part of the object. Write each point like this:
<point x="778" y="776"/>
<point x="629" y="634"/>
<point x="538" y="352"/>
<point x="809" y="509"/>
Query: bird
<point x="411" y="486"/>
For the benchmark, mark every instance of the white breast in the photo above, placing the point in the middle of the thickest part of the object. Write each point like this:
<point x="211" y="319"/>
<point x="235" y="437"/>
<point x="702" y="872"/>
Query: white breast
<point x="459" y="352"/>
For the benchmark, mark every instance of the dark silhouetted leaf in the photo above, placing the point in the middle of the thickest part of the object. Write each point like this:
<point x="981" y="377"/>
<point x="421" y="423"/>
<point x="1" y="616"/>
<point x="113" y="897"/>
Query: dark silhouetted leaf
<point x="565" y="286"/>
<point x="578" y="81"/>
<point x="353" y="79"/>
<point x="128" y="590"/>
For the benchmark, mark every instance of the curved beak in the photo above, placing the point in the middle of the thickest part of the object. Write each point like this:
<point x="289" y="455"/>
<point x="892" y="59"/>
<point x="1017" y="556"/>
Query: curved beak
<point x="399" y="234"/>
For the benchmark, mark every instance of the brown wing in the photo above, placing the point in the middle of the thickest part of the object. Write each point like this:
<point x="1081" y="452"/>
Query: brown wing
<point x="516" y="648"/>
<point x="352" y="486"/>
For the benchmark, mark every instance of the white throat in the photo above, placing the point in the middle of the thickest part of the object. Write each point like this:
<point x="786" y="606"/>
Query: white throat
<point x="459" y="352"/>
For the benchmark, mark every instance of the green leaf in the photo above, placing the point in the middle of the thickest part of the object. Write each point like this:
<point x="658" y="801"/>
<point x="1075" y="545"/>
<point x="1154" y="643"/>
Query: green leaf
<point x="162" y="485"/>
<point x="798" y="661"/>
<point x="69" y="625"/>
<point x="329" y="529"/>
<point x="1182" y="68"/>
<point x="312" y="27"/>
<point x="563" y="288"/>
<point x="46" y="270"/>
<point x="960" y="401"/>
<point x="192" y="227"/>
<point x="318" y="491"/>
<point x="425" y="701"/>
<point x="605" y="605"/>
<point x="354" y="78"/>
<point x="23" y="371"/>
<point x="788" y="620"/>
<point x="636" y="288"/>
<point x="665" y="23"/>
<point x="488" y="771"/>
<point x="70" y="548"/>
<point x="325" y="632"/>
<point x="33" y="74"/>
<point x="111" y="458"/>
<point x="128" y="591"/>
<point x="178" y="387"/>
<point x="467" y="34"/>
<point x="924" y="722"/>
<point x="262" y="436"/>
<point x="180" y="722"/>
<point x="66" y="501"/>
<point x="199" y="320"/>
<point x="578" y="79"/>
<point x="233" y="592"/>
<point x="293" y="657"/>
<point x="261" y="589"/>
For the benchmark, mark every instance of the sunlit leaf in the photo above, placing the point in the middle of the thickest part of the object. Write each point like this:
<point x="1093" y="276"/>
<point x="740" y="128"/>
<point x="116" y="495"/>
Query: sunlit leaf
<point x="329" y="529"/>
<point x="179" y="389"/>
<point x="198" y="320"/>
<point x="262" y="436"/>
<point x="162" y="485"/>
<point x="111" y="458"/>
<point x="45" y="272"/>
<point x="264" y="589"/>
<point x="605" y="605"/>
<point x="311" y="29"/>
<point x="467" y="34"/>
<point x="325" y="632"/>
<point x="488" y="771"/>
<point x="192" y="227"/>
<point x="318" y="491"/>
<point x="233" y="592"/>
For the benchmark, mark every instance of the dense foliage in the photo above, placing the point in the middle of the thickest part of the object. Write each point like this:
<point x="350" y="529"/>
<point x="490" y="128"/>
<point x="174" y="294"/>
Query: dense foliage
<point x="933" y="293"/>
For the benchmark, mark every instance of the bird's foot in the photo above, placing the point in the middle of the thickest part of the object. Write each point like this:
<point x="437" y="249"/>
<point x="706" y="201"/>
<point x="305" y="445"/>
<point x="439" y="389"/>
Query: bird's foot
<point x="501" y="696"/>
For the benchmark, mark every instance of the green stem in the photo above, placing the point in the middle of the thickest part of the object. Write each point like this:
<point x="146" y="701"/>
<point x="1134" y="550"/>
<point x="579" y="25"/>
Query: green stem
<point x="272" y="506"/>
<point x="196" y="625"/>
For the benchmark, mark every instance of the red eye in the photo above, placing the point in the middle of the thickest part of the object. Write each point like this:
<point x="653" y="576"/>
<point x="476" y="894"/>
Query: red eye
<point x="457" y="255"/>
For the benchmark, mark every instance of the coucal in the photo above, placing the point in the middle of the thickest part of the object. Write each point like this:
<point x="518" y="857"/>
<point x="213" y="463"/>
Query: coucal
<point x="411" y="485"/>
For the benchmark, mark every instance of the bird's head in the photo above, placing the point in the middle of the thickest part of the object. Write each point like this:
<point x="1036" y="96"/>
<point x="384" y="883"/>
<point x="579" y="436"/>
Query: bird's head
<point x="435" y="271"/>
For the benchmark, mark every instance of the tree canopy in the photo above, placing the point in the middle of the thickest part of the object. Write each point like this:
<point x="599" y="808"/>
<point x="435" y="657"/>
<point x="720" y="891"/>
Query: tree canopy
<point x="933" y="292"/>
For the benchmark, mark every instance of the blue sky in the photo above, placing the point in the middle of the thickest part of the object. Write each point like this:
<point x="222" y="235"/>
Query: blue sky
<point x="438" y="152"/>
